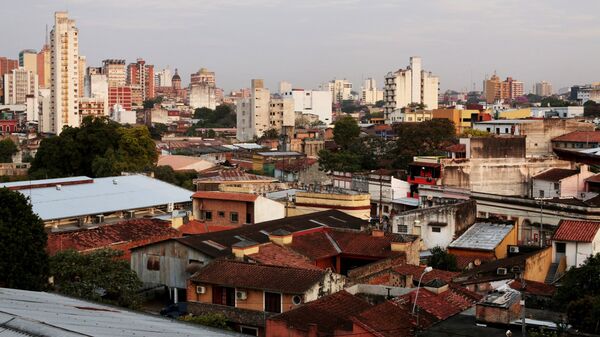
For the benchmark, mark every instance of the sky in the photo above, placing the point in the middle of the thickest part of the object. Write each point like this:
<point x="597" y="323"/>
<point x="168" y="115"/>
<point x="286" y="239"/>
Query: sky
<point x="308" y="42"/>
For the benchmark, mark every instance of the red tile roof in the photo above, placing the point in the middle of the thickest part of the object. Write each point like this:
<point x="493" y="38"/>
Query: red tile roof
<point x="576" y="231"/>
<point x="272" y="254"/>
<point x="329" y="313"/>
<point x="533" y="288"/>
<point x="555" y="174"/>
<point x="214" y="195"/>
<point x="132" y="233"/>
<point x="237" y="274"/>
<point x="457" y="148"/>
<point x="314" y="246"/>
<point x="443" y="305"/>
<point x="198" y="227"/>
<point x="416" y="271"/>
<point x="390" y="319"/>
<point x="579" y="136"/>
<point x="462" y="262"/>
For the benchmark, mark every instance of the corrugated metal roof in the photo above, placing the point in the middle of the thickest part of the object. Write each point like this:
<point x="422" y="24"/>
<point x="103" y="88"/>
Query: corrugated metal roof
<point x="45" y="314"/>
<point x="482" y="236"/>
<point x="103" y="196"/>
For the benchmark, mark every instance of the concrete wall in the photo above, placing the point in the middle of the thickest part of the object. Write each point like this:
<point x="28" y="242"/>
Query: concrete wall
<point x="225" y="206"/>
<point x="496" y="147"/>
<point x="540" y="133"/>
<point x="537" y="266"/>
<point x="503" y="176"/>
<point x="577" y="252"/>
<point x="266" y="209"/>
<point x="358" y="205"/>
<point x="501" y="251"/>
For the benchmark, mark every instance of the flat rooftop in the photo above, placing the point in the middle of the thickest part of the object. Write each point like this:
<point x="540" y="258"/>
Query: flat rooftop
<point x="72" y="197"/>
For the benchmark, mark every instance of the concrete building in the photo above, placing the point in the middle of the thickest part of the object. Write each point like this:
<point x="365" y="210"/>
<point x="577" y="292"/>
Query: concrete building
<point x="81" y="70"/>
<point x="575" y="241"/>
<point x="312" y="102"/>
<point x="28" y="60"/>
<point x="140" y="74"/>
<point x="543" y="89"/>
<point x="162" y="78"/>
<point x="120" y="96"/>
<point x="203" y="89"/>
<point x="44" y="67"/>
<point x="408" y="86"/>
<point x="281" y="115"/>
<point x="284" y="87"/>
<point x="44" y="108"/>
<point x="92" y="106"/>
<point x="96" y="86"/>
<point x="485" y="239"/>
<point x="462" y="119"/>
<point x="115" y="72"/>
<point x="19" y="85"/>
<point x="235" y="209"/>
<point x="560" y="183"/>
<point x="507" y="90"/>
<point x="253" y="112"/>
<point x="341" y="90"/>
<point x="65" y="73"/>
<point x="370" y="94"/>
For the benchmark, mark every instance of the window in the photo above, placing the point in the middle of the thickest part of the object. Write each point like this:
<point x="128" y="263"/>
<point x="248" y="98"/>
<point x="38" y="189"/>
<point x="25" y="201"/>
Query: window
<point x="221" y="214"/>
<point x="153" y="262"/>
<point x="561" y="247"/>
<point x="207" y="215"/>
<point x="272" y="302"/>
<point x="386" y="209"/>
<point x="247" y="330"/>
<point x="557" y="186"/>
<point x="234" y="217"/>
<point x="402" y="229"/>
<point x="223" y="296"/>
<point x="541" y="193"/>
<point x="436" y="229"/>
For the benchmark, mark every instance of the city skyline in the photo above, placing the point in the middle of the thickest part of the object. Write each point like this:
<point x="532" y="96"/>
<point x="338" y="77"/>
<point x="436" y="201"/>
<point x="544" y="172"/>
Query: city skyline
<point x="307" y="43"/>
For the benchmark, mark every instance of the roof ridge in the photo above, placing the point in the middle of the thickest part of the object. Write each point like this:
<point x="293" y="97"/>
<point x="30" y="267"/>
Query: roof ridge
<point x="262" y="265"/>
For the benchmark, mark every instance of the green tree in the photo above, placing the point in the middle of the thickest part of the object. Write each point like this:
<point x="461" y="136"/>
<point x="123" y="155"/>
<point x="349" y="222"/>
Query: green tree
<point x="344" y="161"/>
<point x="136" y="151"/>
<point x="271" y="133"/>
<point x="579" y="282"/>
<point x="345" y="131"/>
<point x="157" y="130"/>
<point x="7" y="150"/>
<point x="380" y="104"/>
<point x="149" y="103"/>
<point x="100" y="275"/>
<point x="222" y="117"/>
<point x="554" y="101"/>
<point x="584" y="314"/>
<point x="183" y="179"/>
<point x="215" y="320"/>
<point x="591" y="108"/>
<point x="428" y="138"/>
<point x="441" y="259"/>
<point x="468" y="133"/>
<point x="24" y="263"/>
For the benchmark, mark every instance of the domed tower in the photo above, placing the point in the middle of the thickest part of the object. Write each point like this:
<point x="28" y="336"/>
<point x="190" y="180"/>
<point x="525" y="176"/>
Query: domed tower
<point x="176" y="81"/>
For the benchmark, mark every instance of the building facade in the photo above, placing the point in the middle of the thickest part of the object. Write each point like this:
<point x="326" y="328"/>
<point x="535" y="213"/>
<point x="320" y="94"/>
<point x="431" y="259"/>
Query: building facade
<point x="115" y="72"/>
<point x="140" y="74"/>
<point x="409" y="86"/>
<point x="253" y="112"/>
<point x="203" y="90"/>
<point x="369" y="93"/>
<point x="543" y="89"/>
<point x="65" y="73"/>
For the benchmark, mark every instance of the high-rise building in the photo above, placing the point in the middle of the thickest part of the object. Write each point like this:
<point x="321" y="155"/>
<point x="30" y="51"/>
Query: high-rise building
<point x="284" y="87"/>
<point x="43" y="67"/>
<point x="120" y="96"/>
<point x="202" y="89"/>
<point x="341" y="90"/>
<point x="281" y="113"/>
<point x="28" y="60"/>
<point x="92" y="106"/>
<point x="96" y="86"/>
<point x="21" y="87"/>
<point x="312" y="102"/>
<point x="162" y="78"/>
<point x="507" y="90"/>
<point x="142" y="75"/>
<point x="115" y="72"/>
<point x="543" y="89"/>
<point x="370" y="94"/>
<point x="412" y="85"/>
<point x="6" y="66"/>
<point x="253" y="112"/>
<point x="81" y="66"/>
<point x="65" y="73"/>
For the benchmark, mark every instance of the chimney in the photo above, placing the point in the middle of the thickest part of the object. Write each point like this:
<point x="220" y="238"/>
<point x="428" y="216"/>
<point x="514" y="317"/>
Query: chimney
<point x="244" y="248"/>
<point x="281" y="237"/>
<point x="377" y="233"/>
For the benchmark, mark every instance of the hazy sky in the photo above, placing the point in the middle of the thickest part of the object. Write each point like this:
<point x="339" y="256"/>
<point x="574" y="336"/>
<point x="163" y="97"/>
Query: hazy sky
<point x="308" y="42"/>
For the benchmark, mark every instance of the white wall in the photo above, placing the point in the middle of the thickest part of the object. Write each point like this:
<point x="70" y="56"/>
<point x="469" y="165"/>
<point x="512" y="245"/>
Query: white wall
<point x="266" y="209"/>
<point x="312" y="102"/>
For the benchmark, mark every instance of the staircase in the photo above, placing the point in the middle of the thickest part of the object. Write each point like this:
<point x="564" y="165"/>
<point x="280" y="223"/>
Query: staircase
<point x="551" y="273"/>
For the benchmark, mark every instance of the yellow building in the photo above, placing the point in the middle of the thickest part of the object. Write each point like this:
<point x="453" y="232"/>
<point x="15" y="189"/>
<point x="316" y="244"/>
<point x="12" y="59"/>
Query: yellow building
<point x="515" y="114"/>
<point x="462" y="119"/>
<point x="417" y="115"/>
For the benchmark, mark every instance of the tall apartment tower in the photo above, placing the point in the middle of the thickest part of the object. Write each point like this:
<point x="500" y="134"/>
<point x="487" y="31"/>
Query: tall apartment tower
<point x="140" y="74"/>
<point x="21" y="87"/>
<point x="28" y="60"/>
<point x="115" y="72"/>
<point x="407" y="86"/>
<point x="543" y="89"/>
<point x="64" y="46"/>
<point x="507" y="90"/>
<point x="253" y="112"/>
<point x="43" y="67"/>
<point x="369" y="93"/>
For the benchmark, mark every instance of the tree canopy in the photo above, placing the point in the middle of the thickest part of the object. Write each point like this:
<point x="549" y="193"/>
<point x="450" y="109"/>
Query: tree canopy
<point x="100" y="275"/>
<point x="554" y="101"/>
<point x="345" y="131"/>
<point x="98" y="148"/>
<point x="428" y="138"/>
<point x="24" y="263"/>
<point x="441" y="259"/>
<point x="7" y="150"/>
<point x="182" y="179"/>
<point x="591" y="108"/>
<point x="222" y="117"/>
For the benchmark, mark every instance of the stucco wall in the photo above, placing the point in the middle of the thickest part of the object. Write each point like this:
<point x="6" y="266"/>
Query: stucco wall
<point x="537" y="266"/>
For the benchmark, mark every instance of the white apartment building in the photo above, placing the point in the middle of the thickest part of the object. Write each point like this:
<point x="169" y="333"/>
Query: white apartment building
<point x="253" y="112"/>
<point x="312" y="102"/>
<point x="341" y="90"/>
<point x="21" y="87"/>
<point x="369" y="93"/>
<point x="203" y="89"/>
<point x="65" y="73"/>
<point x="163" y="77"/>
<point x="543" y="89"/>
<point x="281" y="113"/>
<point x="406" y="86"/>
<point x="96" y="86"/>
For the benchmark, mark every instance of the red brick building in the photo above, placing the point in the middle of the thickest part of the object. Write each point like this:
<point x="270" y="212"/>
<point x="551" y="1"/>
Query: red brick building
<point x="142" y="75"/>
<point x="121" y="96"/>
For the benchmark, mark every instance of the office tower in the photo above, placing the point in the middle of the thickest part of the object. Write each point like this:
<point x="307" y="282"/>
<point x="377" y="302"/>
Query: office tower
<point x="253" y="112"/>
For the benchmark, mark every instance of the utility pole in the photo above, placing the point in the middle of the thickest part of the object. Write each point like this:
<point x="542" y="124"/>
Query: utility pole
<point x="523" y="328"/>
<point x="380" y="201"/>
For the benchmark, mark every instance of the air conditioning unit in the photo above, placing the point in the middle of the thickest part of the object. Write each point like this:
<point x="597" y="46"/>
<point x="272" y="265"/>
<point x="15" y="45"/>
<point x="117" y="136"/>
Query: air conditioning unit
<point x="501" y="271"/>
<point x="513" y="249"/>
<point x="241" y="295"/>
<point x="200" y="289"/>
